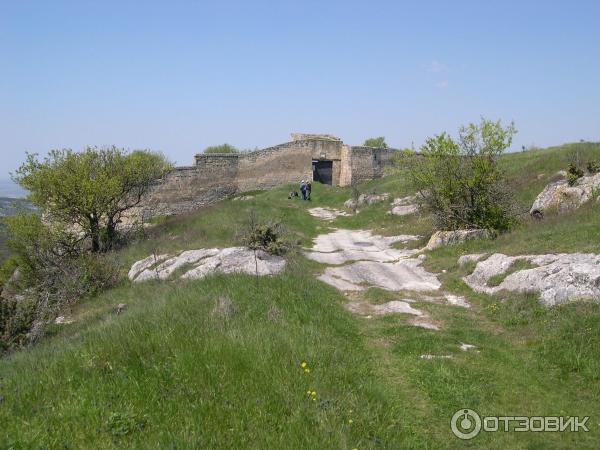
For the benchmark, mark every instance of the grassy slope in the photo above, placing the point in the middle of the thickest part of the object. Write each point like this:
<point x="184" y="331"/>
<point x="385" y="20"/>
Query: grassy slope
<point x="169" y="373"/>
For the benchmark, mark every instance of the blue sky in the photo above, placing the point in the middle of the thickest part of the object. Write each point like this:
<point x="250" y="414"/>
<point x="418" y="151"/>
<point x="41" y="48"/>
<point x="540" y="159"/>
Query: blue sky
<point x="177" y="76"/>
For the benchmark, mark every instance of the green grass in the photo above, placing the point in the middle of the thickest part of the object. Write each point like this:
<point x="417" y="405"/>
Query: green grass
<point x="170" y="373"/>
<point x="516" y="266"/>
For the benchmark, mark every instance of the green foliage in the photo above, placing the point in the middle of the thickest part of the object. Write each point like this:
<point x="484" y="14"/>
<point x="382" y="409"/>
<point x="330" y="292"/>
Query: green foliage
<point x="461" y="183"/>
<point x="378" y="142"/>
<point x="223" y="148"/>
<point x="574" y="173"/>
<point x="265" y="236"/>
<point x="593" y="166"/>
<point x="54" y="273"/>
<point x="92" y="189"/>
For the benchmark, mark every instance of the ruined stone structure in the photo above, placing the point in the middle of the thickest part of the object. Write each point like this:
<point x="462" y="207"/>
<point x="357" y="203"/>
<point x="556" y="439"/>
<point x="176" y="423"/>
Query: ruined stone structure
<point x="321" y="158"/>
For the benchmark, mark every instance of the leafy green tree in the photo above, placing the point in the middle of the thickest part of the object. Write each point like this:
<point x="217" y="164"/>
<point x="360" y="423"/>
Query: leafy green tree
<point x="378" y="142"/>
<point x="223" y="148"/>
<point x="460" y="182"/>
<point x="91" y="190"/>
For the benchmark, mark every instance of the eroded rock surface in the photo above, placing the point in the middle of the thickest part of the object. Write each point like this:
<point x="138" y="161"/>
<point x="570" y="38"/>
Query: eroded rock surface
<point x="443" y="238"/>
<point x="561" y="197"/>
<point x="342" y="246"/>
<point x="557" y="277"/>
<point x="326" y="213"/>
<point x="406" y="274"/>
<point x="199" y="263"/>
<point x="404" y="206"/>
<point x="366" y="199"/>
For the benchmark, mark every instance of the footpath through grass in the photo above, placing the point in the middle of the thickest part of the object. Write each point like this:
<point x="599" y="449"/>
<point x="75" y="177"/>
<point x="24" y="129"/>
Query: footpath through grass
<point x="174" y="371"/>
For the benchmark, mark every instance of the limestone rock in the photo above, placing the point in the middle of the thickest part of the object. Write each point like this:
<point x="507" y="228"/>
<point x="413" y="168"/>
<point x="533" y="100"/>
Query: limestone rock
<point x="443" y="238"/>
<point x="366" y="199"/>
<point x="404" y="206"/>
<point x="464" y="259"/>
<point x="557" y="277"/>
<point x="561" y="197"/>
<point x="326" y="213"/>
<point x="341" y="246"/>
<point x="206" y="261"/>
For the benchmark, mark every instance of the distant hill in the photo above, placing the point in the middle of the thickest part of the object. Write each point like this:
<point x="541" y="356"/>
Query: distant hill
<point x="9" y="189"/>
<point x="9" y="206"/>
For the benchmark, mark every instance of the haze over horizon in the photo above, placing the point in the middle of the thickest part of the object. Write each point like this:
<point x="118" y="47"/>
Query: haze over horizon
<point x="181" y="76"/>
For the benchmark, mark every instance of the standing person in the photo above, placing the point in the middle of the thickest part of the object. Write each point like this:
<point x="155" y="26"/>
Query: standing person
<point x="308" y="189"/>
<point x="303" y="189"/>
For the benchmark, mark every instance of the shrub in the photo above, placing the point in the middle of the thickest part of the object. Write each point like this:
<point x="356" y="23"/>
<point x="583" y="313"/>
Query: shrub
<point x="378" y="142"/>
<point x="223" y="148"/>
<point x="593" y="166"/>
<point x="55" y="271"/>
<point x="574" y="173"/>
<point x="460" y="182"/>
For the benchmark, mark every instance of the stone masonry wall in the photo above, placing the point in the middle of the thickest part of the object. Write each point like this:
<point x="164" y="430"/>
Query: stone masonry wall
<point x="218" y="176"/>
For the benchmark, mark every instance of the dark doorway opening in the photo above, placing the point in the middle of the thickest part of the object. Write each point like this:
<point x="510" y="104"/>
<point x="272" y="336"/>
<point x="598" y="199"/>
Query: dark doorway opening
<point x="323" y="171"/>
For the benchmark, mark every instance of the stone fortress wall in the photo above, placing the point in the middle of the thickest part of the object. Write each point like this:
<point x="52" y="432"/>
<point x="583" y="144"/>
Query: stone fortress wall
<point x="218" y="176"/>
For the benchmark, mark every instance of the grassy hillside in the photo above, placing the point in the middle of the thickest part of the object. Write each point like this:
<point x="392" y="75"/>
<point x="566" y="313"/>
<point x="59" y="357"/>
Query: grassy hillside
<point x="174" y="371"/>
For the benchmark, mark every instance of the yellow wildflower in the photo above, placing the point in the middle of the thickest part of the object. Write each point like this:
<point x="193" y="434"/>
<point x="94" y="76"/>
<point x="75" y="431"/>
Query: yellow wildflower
<point x="307" y="370"/>
<point x="303" y="365"/>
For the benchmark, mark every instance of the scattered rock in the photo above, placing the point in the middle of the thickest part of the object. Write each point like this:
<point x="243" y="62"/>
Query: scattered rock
<point x="327" y="213"/>
<point x="561" y="197"/>
<point x="457" y="300"/>
<point x="145" y="264"/>
<point x="206" y="261"/>
<point x="394" y="306"/>
<point x="243" y="198"/>
<point x="428" y="356"/>
<point x="443" y="238"/>
<point x="62" y="320"/>
<point x="423" y="322"/>
<point x="464" y="259"/>
<point x="366" y="199"/>
<point x="121" y="307"/>
<point x="404" y="206"/>
<point x="465" y="347"/>
<point x="557" y="277"/>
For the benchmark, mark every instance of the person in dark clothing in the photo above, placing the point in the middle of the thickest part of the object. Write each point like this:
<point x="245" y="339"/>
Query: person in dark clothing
<point x="308" y="189"/>
<point x="303" y="189"/>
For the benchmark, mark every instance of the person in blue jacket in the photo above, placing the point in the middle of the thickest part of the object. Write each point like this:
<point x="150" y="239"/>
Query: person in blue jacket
<point x="303" y="189"/>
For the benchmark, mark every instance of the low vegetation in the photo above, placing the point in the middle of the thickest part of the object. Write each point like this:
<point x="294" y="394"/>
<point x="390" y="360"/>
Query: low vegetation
<point x="223" y="148"/>
<point x="378" y="142"/>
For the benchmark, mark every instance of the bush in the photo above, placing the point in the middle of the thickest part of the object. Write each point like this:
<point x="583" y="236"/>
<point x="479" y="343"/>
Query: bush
<point x="593" y="166"/>
<point x="223" y="148"/>
<point x="574" y="173"/>
<point x="460" y="182"/>
<point x="378" y="142"/>
<point x="266" y="236"/>
<point x="55" y="272"/>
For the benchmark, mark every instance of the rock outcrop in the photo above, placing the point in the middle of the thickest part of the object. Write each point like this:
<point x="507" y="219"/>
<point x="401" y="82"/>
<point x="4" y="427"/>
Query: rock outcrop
<point x="404" y="206"/>
<point x="560" y="197"/>
<point x="557" y="277"/>
<point x="443" y="238"/>
<point x="366" y="199"/>
<point x="198" y="263"/>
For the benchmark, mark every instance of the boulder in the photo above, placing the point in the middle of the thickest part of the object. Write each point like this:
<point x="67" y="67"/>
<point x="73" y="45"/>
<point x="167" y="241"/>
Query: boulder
<point x="404" y="206"/>
<point x="557" y="277"/>
<point x="366" y="199"/>
<point x="561" y="197"/>
<point x="199" y="263"/>
<point x="444" y="238"/>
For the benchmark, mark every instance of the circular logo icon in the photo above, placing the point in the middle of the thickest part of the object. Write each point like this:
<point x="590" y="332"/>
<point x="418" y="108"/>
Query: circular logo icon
<point x="465" y="424"/>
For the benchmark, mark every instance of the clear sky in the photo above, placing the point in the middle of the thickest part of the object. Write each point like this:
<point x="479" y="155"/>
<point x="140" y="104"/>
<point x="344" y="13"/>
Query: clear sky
<point x="177" y="76"/>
